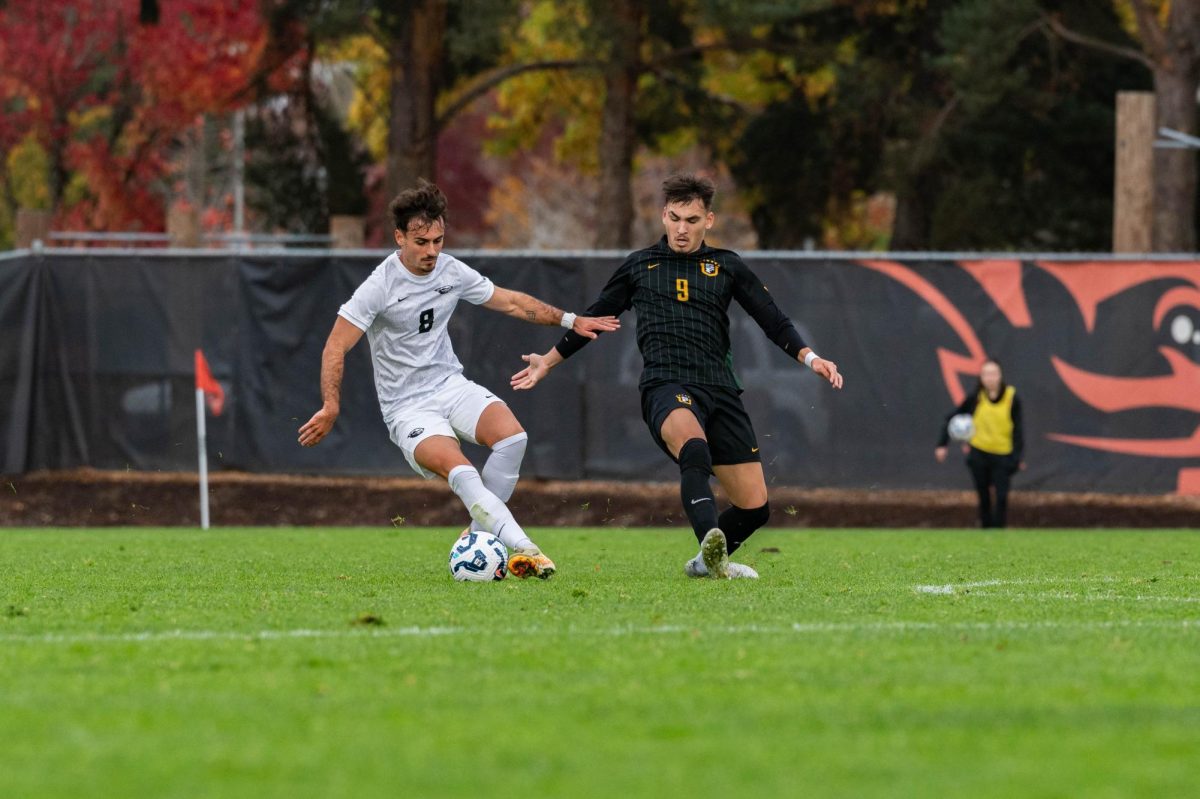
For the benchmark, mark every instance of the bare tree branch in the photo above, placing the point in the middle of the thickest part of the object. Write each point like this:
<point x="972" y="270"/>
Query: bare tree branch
<point x="743" y="44"/>
<point x="493" y="80"/>
<point x="667" y="76"/>
<point x="1101" y="45"/>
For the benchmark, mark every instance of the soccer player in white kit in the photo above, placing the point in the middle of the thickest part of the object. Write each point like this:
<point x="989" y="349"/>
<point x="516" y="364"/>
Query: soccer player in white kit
<point x="427" y="403"/>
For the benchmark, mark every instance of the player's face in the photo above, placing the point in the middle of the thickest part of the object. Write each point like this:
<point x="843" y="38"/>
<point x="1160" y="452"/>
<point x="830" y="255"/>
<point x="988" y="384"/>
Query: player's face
<point x="990" y="375"/>
<point x="420" y="245"/>
<point x="686" y="224"/>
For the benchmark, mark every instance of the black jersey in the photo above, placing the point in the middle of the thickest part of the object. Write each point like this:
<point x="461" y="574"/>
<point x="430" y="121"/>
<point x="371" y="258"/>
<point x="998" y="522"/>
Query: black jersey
<point x="682" y="306"/>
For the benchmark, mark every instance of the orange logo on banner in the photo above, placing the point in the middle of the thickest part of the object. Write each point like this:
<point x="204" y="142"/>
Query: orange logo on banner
<point x="1089" y="284"/>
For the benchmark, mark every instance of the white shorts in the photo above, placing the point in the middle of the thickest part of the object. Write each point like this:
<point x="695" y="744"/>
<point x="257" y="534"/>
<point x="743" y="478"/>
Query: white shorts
<point x="453" y="411"/>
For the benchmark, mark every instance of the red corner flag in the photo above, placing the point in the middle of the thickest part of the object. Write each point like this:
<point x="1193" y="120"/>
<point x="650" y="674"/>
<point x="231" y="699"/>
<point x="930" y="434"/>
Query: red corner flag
<point x="207" y="383"/>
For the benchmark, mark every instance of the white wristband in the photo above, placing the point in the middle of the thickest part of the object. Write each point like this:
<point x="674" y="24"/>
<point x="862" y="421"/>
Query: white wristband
<point x="568" y="320"/>
<point x="808" y="359"/>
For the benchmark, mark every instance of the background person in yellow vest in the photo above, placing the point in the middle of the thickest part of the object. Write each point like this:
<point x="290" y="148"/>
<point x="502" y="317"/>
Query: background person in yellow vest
<point x="995" y="452"/>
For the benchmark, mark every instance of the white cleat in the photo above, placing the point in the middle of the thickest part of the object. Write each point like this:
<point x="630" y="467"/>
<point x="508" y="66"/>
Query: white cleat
<point x="696" y="569"/>
<point x="740" y="571"/>
<point x="714" y="554"/>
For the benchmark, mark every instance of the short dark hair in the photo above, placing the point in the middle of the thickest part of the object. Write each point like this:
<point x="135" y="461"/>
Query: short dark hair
<point x="685" y="187"/>
<point x="425" y="203"/>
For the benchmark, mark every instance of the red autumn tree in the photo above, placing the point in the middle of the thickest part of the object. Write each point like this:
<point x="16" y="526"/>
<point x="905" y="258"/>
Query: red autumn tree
<point x="107" y="92"/>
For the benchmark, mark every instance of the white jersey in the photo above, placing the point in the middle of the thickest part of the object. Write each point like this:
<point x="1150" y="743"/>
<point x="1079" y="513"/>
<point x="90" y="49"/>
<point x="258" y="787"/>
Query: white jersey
<point x="405" y="317"/>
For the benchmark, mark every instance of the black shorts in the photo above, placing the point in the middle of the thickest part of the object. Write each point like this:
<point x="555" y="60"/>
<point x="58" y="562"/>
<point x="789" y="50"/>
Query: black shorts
<point x="720" y="413"/>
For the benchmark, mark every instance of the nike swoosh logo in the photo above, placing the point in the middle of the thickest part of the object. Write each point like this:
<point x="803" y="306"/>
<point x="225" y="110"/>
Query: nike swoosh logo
<point x="754" y="449"/>
<point x="652" y="266"/>
<point x="401" y="299"/>
<point x="702" y="499"/>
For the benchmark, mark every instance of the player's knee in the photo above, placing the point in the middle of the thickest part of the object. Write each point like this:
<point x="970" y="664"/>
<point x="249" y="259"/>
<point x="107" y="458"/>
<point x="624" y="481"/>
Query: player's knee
<point x="759" y="516"/>
<point x="694" y="455"/>
<point x="512" y="447"/>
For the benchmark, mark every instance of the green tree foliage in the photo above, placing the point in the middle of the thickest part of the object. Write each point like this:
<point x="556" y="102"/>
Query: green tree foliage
<point x="989" y="133"/>
<point x="296" y="181"/>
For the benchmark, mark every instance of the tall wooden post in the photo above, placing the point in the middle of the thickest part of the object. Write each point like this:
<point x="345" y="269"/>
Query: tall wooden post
<point x="1133" y="189"/>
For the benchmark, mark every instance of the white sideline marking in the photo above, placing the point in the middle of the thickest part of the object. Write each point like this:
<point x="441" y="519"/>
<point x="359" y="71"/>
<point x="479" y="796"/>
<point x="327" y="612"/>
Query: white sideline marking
<point x="225" y="635"/>
<point x="954" y="588"/>
<point x="950" y="589"/>
<point x="1105" y="597"/>
<point x="796" y="628"/>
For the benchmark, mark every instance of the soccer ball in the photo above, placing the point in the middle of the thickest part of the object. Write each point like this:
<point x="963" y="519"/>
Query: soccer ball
<point x="961" y="427"/>
<point x="478" y="558"/>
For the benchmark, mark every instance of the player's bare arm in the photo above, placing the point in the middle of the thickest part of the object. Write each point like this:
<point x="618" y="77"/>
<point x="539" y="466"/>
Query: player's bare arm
<point x="333" y="362"/>
<point x="825" y="368"/>
<point x="530" y="309"/>
<point x="539" y="366"/>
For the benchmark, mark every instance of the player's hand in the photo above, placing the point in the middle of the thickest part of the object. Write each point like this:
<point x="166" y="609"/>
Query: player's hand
<point x="590" y="326"/>
<point x="532" y="374"/>
<point x="828" y="370"/>
<point x="316" y="428"/>
<point x="940" y="454"/>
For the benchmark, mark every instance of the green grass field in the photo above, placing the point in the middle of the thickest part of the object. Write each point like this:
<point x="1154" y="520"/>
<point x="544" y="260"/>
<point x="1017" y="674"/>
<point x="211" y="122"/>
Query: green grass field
<point x="347" y="663"/>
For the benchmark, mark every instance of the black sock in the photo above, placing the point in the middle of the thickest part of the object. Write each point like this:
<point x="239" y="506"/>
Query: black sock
<point x="695" y="468"/>
<point x="738" y="524"/>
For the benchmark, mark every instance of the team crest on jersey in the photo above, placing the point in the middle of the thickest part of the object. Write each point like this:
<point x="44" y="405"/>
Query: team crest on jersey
<point x="683" y="399"/>
<point x="416" y="432"/>
<point x="710" y="268"/>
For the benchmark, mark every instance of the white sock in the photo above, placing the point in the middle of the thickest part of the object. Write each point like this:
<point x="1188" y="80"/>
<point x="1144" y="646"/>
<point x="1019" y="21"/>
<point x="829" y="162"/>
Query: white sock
<point x="503" y="468"/>
<point x="486" y="508"/>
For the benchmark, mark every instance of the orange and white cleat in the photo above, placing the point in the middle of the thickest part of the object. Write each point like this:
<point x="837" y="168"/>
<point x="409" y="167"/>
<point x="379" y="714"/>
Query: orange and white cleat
<point x="530" y="563"/>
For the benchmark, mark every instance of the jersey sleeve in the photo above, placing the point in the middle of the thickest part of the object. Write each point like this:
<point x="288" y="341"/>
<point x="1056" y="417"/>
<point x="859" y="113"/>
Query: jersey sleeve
<point x="1018" y="430"/>
<point x="753" y="296"/>
<point x="367" y="301"/>
<point x="615" y="298"/>
<point x="476" y="289"/>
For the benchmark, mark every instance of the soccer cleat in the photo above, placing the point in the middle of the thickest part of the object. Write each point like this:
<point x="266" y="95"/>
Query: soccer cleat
<point x="695" y="568"/>
<point x="740" y="571"/>
<point x="714" y="554"/>
<point x="530" y="563"/>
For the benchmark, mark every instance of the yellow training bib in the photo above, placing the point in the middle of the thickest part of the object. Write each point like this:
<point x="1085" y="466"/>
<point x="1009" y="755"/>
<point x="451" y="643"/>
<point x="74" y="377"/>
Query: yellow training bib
<point x="993" y="423"/>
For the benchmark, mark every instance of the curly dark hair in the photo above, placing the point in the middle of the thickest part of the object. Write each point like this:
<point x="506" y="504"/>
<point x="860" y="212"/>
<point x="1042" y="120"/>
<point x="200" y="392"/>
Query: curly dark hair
<point x="685" y="187"/>
<point x="425" y="204"/>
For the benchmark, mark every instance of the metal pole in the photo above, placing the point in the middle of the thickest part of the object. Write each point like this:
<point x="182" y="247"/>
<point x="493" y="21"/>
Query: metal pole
<point x="239" y="171"/>
<point x="202" y="446"/>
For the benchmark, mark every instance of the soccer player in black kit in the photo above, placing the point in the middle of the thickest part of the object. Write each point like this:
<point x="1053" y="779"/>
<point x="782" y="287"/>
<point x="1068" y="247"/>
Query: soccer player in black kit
<point x="680" y="289"/>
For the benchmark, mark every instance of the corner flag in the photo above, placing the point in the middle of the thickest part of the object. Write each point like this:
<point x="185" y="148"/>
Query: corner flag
<point x="206" y="383"/>
<point x="207" y="388"/>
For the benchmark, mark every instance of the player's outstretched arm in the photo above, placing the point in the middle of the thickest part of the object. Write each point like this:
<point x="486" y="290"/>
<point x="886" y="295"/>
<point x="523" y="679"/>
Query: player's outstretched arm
<point x="522" y="306"/>
<point x="539" y="366"/>
<point x="333" y="361"/>
<point x="825" y="368"/>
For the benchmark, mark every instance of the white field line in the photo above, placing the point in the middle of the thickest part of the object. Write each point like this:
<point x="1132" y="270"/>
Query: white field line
<point x="796" y="628"/>
<point x="972" y="588"/>
<point x="225" y="635"/>
<point x="953" y="588"/>
<point x="1076" y="597"/>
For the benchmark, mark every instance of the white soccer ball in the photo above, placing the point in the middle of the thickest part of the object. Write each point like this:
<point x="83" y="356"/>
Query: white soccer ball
<point x="478" y="557"/>
<point x="961" y="427"/>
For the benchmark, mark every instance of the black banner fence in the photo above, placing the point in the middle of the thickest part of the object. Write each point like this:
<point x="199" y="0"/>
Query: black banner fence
<point x="95" y="367"/>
